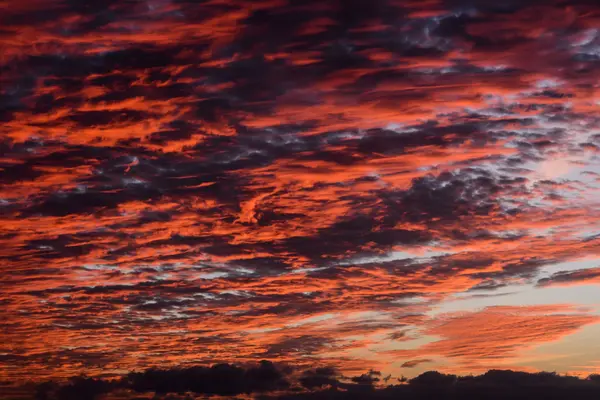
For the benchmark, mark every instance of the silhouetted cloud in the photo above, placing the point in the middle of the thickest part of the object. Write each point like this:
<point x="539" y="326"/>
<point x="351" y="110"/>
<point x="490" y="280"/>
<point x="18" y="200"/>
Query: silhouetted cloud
<point x="269" y="381"/>
<point x="220" y="379"/>
<point x="414" y="363"/>
<point x="582" y="276"/>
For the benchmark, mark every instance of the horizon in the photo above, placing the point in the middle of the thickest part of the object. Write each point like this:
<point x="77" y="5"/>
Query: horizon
<point x="265" y="380"/>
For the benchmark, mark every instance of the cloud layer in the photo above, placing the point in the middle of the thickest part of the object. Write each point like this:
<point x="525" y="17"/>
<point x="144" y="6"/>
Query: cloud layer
<point x="300" y="181"/>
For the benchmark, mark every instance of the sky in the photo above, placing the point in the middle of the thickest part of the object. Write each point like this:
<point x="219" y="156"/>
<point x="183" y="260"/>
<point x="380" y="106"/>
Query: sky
<point x="392" y="185"/>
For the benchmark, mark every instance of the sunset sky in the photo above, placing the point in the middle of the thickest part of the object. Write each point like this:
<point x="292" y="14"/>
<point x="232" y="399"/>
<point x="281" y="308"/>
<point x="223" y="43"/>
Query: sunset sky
<point x="396" y="185"/>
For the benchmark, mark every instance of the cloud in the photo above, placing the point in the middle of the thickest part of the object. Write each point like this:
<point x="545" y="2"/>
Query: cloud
<point x="224" y="181"/>
<point x="319" y="378"/>
<point x="565" y="278"/>
<point x="220" y="379"/>
<point x="497" y="334"/>
<point x="414" y="363"/>
<point x="266" y="378"/>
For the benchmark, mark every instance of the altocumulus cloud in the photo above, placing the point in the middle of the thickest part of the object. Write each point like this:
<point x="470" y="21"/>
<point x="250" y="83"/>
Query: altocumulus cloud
<point x="222" y="182"/>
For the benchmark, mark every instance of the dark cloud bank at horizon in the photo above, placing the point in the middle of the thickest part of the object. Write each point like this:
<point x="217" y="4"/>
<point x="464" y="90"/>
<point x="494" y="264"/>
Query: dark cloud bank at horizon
<point x="269" y="381"/>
